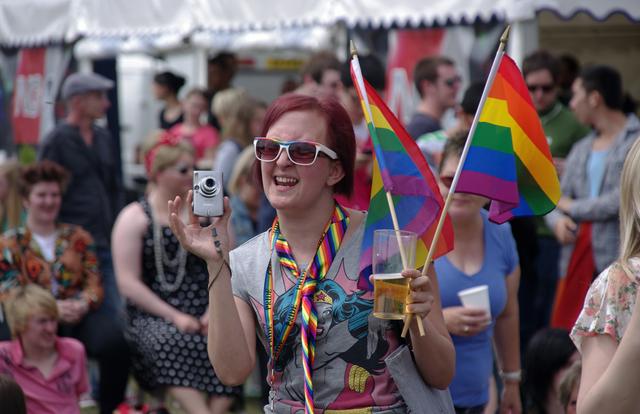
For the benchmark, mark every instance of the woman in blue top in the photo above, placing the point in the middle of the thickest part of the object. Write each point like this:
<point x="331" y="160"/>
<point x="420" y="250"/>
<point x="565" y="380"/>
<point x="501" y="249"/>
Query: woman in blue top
<point x="484" y="254"/>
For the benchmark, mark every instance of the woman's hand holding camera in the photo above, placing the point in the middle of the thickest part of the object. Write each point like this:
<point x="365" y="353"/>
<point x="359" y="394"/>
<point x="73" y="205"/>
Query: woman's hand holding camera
<point x="211" y="243"/>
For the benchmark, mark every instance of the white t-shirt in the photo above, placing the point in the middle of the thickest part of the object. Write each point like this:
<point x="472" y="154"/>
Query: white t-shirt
<point x="47" y="245"/>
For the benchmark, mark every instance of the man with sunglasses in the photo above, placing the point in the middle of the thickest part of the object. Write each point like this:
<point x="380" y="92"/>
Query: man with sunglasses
<point x="541" y="73"/>
<point x="438" y="83"/>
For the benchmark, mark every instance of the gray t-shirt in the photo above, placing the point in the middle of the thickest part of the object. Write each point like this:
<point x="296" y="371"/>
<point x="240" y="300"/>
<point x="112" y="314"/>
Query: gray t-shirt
<point x="349" y="370"/>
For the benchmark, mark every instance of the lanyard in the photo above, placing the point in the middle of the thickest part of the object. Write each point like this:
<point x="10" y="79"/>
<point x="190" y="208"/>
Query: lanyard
<point x="305" y="287"/>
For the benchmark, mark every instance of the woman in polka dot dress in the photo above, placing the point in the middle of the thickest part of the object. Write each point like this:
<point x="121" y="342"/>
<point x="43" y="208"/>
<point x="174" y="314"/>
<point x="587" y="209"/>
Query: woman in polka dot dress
<point x="166" y="289"/>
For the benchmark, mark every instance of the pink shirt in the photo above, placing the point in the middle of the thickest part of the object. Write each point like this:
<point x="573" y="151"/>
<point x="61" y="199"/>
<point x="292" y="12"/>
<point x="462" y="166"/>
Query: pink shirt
<point x="57" y="394"/>
<point x="202" y="139"/>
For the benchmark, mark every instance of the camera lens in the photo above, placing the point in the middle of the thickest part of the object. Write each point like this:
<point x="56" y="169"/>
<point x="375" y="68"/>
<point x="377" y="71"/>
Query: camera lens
<point x="208" y="187"/>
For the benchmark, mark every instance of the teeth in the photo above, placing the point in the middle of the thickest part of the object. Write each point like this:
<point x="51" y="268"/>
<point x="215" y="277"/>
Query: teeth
<point x="285" y="180"/>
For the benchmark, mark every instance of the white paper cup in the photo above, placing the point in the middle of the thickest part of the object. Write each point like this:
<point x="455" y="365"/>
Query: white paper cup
<point x="476" y="297"/>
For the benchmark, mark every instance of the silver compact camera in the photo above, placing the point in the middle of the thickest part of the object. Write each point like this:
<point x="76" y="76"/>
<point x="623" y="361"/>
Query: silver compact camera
<point x="207" y="193"/>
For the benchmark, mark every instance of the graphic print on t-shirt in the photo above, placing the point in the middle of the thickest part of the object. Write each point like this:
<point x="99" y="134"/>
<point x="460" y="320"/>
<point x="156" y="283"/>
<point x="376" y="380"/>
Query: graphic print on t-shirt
<point x="349" y="369"/>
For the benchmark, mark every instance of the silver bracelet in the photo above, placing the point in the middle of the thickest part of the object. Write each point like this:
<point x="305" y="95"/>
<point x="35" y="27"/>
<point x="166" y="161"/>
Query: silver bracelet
<point x="512" y="376"/>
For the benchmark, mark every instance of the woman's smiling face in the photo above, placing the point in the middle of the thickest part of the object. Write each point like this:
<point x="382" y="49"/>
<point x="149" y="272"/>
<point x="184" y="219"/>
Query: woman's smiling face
<point x="291" y="186"/>
<point x="44" y="201"/>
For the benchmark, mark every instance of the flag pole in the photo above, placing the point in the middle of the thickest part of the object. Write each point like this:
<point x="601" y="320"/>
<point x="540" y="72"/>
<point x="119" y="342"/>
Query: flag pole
<point x="443" y="214"/>
<point x="392" y="209"/>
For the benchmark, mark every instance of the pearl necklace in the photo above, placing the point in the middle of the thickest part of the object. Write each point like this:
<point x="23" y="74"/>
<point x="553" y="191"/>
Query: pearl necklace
<point x="162" y="260"/>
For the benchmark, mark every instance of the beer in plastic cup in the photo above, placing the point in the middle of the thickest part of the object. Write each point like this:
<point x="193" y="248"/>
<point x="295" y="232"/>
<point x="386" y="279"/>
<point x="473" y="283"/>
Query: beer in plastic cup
<point x="390" y="292"/>
<point x="390" y="288"/>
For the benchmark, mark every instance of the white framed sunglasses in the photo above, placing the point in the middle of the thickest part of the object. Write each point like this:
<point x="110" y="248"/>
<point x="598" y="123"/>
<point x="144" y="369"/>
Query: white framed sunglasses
<point x="299" y="152"/>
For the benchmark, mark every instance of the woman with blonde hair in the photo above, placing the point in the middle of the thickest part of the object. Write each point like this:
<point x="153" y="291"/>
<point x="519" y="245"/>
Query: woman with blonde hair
<point x="607" y="332"/>
<point x="12" y="213"/>
<point x="166" y="288"/>
<point x="240" y="117"/>
<point x="52" y="371"/>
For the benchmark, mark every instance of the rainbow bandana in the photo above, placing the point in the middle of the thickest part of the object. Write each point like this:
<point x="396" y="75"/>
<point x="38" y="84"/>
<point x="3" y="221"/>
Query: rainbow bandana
<point x="305" y="290"/>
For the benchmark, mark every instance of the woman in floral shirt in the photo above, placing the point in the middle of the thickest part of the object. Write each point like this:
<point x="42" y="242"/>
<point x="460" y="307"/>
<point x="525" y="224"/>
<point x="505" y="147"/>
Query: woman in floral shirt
<point x="61" y="258"/>
<point x="72" y="275"/>
<point x="607" y="332"/>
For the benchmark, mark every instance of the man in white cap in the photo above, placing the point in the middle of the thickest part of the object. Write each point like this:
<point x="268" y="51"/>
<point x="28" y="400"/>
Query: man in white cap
<point x="92" y="200"/>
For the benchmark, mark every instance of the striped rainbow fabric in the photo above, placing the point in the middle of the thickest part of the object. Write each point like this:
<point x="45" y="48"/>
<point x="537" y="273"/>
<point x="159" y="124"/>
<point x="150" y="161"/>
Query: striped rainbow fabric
<point x="400" y="168"/>
<point x="509" y="160"/>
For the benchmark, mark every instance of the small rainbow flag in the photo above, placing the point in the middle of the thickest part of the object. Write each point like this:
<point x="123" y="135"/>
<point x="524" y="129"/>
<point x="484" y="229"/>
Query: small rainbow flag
<point x="399" y="168"/>
<point x="509" y="159"/>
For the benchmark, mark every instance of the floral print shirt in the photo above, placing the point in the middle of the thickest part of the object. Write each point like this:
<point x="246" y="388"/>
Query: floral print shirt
<point x="73" y="273"/>
<point x="609" y="304"/>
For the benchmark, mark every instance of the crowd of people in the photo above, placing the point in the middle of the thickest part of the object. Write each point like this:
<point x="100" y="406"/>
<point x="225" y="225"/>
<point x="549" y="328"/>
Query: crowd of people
<point x="189" y="307"/>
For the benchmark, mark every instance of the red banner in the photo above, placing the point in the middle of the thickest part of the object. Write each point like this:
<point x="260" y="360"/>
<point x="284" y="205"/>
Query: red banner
<point x="28" y="95"/>
<point x="407" y="47"/>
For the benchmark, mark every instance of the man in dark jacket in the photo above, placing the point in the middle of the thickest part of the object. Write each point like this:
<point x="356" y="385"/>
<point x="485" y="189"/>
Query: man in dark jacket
<point x="92" y="200"/>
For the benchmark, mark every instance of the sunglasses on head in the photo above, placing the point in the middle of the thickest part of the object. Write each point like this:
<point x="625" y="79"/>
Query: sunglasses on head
<point x="545" y="88"/>
<point x="299" y="152"/>
<point x="446" y="180"/>
<point x="451" y="82"/>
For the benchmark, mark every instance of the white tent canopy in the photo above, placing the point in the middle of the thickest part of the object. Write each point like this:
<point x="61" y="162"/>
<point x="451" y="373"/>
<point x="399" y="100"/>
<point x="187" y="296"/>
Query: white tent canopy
<point x="415" y="13"/>
<point x="248" y="15"/>
<point x="132" y="17"/>
<point x="34" y="22"/>
<point x="597" y="9"/>
<point x="259" y="14"/>
<point x="25" y="23"/>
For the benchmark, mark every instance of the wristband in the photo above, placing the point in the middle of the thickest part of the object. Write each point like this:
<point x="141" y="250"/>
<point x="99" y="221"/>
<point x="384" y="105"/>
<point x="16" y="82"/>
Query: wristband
<point x="511" y="376"/>
<point x="213" y="279"/>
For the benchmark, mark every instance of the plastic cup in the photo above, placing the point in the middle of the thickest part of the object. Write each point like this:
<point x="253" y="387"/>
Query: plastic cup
<point x="476" y="297"/>
<point x="393" y="251"/>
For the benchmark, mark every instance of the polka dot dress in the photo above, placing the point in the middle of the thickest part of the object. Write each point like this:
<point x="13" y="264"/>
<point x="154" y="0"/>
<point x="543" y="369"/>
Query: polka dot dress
<point x="161" y="354"/>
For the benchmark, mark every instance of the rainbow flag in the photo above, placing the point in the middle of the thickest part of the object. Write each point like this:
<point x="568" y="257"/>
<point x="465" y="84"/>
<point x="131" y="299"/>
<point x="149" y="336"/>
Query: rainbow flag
<point x="399" y="168"/>
<point x="509" y="159"/>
